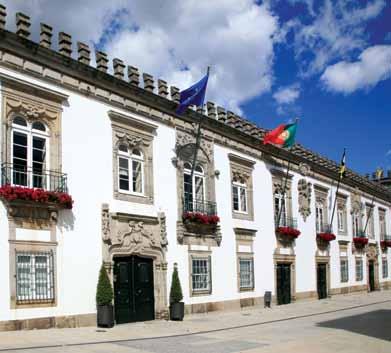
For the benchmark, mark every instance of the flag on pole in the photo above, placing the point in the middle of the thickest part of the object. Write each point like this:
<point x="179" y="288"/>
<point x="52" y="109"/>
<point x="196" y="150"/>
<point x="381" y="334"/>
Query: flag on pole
<point x="379" y="173"/>
<point x="283" y="135"/>
<point x="193" y="95"/>
<point x="342" y="166"/>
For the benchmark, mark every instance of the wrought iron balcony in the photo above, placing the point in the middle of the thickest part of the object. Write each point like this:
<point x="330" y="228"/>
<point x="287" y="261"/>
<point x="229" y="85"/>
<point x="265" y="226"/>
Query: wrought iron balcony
<point x="286" y="222"/>
<point x="360" y="234"/>
<point x="201" y="206"/>
<point x="324" y="228"/>
<point x="385" y="237"/>
<point x="17" y="175"/>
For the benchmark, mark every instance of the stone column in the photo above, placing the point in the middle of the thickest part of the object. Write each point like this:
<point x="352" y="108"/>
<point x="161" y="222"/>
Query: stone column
<point x="133" y="76"/>
<point x="148" y="82"/>
<point x="211" y="110"/>
<point x="162" y="88"/>
<point x="84" y="53"/>
<point x="161" y="302"/>
<point x="22" y="25"/>
<point x="119" y="67"/>
<point x="45" y="38"/>
<point x="3" y="15"/>
<point x="175" y="95"/>
<point x="65" y="44"/>
<point x="101" y="61"/>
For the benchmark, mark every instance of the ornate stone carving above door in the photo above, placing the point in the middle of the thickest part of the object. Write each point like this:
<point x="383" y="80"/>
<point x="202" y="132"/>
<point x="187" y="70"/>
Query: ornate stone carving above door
<point x="304" y="188"/>
<point x="128" y="234"/>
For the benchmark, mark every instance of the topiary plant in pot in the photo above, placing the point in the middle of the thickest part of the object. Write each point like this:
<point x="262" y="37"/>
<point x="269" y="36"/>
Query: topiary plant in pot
<point x="104" y="299"/>
<point x="177" y="307"/>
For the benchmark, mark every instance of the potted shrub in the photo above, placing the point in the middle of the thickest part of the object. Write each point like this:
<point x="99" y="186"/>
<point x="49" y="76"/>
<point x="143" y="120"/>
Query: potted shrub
<point x="177" y="307"/>
<point x="104" y="299"/>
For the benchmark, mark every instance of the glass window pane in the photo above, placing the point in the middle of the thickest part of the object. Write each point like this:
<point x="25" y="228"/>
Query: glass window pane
<point x="37" y="125"/>
<point x="123" y="173"/>
<point x="137" y="176"/>
<point x="200" y="276"/>
<point x="19" y="121"/>
<point x="199" y="183"/>
<point x="235" y="196"/>
<point x="243" y="199"/>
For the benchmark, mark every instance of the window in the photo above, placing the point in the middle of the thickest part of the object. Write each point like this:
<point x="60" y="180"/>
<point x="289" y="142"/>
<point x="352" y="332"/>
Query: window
<point x="385" y="268"/>
<point x="369" y="230"/>
<point x="239" y="194"/>
<point x="344" y="271"/>
<point x="34" y="277"/>
<point x="29" y="151"/>
<point x="359" y="270"/>
<point x="356" y="225"/>
<point x="341" y="220"/>
<point x="246" y="273"/>
<point x="201" y="274"/>
<point x="382" y="221"/>
<point x="194" y="188"/>
<point x="280" y="208"/>
<point x="319" y="217"/>
<point x="130" y="170"/>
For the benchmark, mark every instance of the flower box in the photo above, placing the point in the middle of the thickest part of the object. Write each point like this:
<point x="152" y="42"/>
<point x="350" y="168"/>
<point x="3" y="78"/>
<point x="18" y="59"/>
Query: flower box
<point x="40" y="196"/>
<point x="360" y="241"/>
<point x="326" y="236"/>
<point x="200" y="218"/>
<point x="288" y="232"/>
<point x="385" y="244"/>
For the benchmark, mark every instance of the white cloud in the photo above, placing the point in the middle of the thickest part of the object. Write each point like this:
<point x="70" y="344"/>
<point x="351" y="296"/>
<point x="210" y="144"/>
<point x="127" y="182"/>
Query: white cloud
<point x="287" y="95"/>
<point x="333" y="32"/>
<point x="174" y="39"/>
<point x="388" y="153"/>
<point x="373" y="66"/>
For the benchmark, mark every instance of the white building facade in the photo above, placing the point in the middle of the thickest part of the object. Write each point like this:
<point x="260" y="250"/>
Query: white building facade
<point x="118" y="148"/>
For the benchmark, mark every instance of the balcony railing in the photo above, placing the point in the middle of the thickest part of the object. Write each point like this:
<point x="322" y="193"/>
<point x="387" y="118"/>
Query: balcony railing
<point x="359" y="234"/>
<point x="324" y="228"/>
<point x="17" y="175"/>
<point x="385" y="237"/>
<point x="286" y="222"/>
<point x="201" y="206"/>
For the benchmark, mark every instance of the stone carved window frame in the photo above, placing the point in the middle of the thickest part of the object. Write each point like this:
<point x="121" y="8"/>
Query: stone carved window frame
<point x="382" y="215"/>
<point x="33" y="103"/>
<point x="204" y="255"/>
<point x="356" y="210"/>
<point x="242" y="171"/>
<point x="342" y="205"/>
<point x="321" y="197"/>
<point x="245" y="237"/>
<point x="184" y="149"/>
<point x="278" y="181"/>
<point x="133" y="133"/>
<point x="370" y="209"/>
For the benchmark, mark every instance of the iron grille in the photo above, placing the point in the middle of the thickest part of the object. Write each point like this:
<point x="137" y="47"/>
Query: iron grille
<point x="18" y="175"/>
<point x="34" y="277"/>
<point x="201" y="206"/>
<point x="287" y="222"/>
<point x="359" y="234"/>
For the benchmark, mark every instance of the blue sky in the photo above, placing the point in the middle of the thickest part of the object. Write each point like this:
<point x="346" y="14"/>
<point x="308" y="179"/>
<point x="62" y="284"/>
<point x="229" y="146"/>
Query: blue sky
<point x="325" y="61"/>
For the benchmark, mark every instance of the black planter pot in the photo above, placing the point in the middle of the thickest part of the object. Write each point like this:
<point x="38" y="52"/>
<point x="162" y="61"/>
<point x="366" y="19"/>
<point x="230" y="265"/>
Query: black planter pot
<point x="105" y="316"/>
<point x="177" y="311"/>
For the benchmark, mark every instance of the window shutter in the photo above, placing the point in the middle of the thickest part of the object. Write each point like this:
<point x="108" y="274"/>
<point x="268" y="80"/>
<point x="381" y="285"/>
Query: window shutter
<point x="210" y="273"/>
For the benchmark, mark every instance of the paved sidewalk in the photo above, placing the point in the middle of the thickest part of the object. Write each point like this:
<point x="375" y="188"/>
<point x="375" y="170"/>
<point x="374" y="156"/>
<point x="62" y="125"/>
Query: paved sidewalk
<point x="191" y="325"/>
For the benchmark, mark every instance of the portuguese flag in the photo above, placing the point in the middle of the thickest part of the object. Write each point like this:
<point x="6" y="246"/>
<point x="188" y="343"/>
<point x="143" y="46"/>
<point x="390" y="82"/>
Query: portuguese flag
<point x="283" y="135"/>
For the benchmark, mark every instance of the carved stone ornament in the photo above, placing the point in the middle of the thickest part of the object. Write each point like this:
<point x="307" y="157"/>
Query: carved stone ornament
<point x="129" y="140"/>
<point x="304" y="169"/>
<point x="183" y="139"/>
<point x="372" y="252"/>
<point x="105" y="222"/>
<point x="304" y="189"/>
<point x="279" y="187"/>
<point x="356" y="204"/>
<point x="240" y="175"/>
<point x="30" y="110"/>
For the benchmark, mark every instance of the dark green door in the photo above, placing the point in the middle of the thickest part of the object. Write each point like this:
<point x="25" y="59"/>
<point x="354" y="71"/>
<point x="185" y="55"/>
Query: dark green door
<point x="283" y="284"/>
<point x="322" y="281"/>
<point x="133" y="289"/>
<point x="371" y="276"/>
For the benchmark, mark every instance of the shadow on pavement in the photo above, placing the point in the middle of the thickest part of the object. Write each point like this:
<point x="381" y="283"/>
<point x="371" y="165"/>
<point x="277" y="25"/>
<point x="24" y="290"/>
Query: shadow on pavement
<point x="374" y="324"/>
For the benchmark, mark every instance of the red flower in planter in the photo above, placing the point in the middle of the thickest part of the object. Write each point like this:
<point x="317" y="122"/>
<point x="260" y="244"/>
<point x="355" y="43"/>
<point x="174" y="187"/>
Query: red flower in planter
<point x="385" y="243"/>
<point x="11" y="193"/>
<point x="326" y="236"/>
<point x="288" y="231"/>
<point x="201" y="218"/>
<point x="360" y="240"/>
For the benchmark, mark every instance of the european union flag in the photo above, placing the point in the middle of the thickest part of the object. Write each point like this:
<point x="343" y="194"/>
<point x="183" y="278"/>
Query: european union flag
<point x="193" y="95"/>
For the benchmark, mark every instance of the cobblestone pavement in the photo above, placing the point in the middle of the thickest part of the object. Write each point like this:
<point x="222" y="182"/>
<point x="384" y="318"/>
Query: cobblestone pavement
<point x="352" y="323"/>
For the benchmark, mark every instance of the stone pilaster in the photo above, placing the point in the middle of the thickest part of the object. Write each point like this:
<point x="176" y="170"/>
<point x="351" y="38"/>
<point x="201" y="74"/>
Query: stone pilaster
<point x="148" y="82"/>
<point x="162" y="88"/>
<point x="3" y="15"/>
<point x="101" y="61"/>
<point x="119" y="67"/>
<point x="65" y="44"/>
<point x="45" y="37"/>
<point x="22" y="25"/>
<point x="133" y="76"/>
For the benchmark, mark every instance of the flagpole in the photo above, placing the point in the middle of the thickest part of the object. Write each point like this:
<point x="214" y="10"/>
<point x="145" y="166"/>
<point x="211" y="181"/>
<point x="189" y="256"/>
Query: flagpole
<point x="198" y="141"/>
<point x="283" y="193"/>
<point x="336" y="195"/>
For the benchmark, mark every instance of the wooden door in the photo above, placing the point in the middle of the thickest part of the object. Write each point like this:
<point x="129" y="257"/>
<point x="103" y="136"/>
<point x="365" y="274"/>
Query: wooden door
<point x="322" y="280"/>
<point x="371" y="276"/>
<point x="283" y="284"/>
<point x="133" y="290"/>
